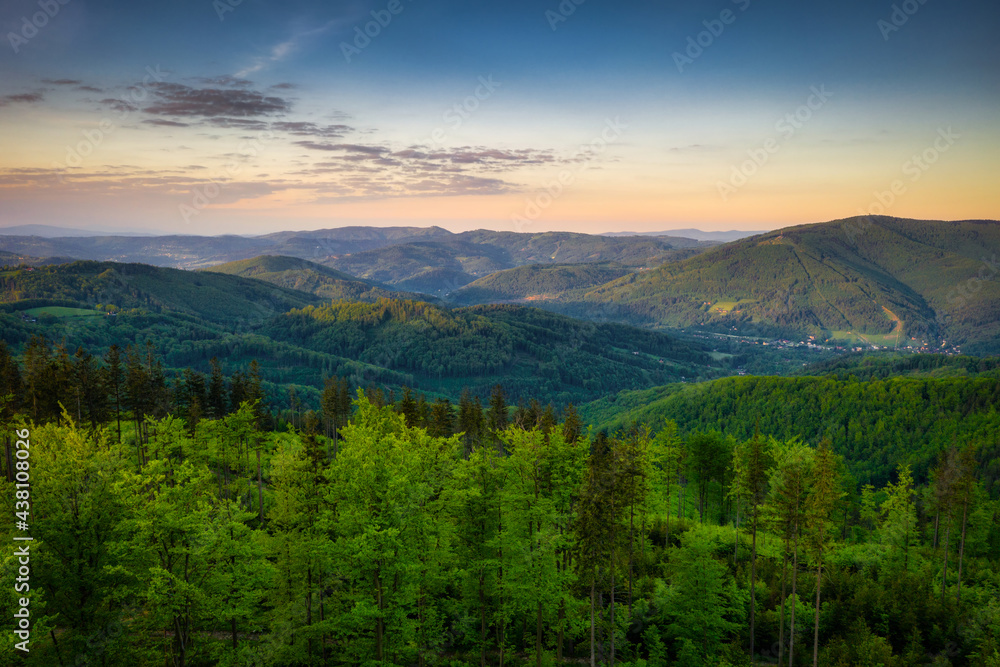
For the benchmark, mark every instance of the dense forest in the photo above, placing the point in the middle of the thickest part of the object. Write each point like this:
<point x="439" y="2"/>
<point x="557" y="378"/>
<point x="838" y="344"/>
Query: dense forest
<point x="179" y="519"/>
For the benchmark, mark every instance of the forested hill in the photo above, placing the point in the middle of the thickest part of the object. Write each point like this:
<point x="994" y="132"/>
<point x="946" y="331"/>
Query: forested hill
<point x="531" y="352"/>
<point x="305" y="276"/>
<point x="875" y="276"/>
<point x="211" y="297"/>
<point x="876" y="425"/>
<point x="539" y="283"/>
<point x="442" y="265"/>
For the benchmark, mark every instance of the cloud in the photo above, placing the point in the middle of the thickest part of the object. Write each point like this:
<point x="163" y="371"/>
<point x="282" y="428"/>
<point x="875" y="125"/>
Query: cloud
<point x="164" y="122"/>
<point x="348" y="148"/>
<point x="62" y="82"/>
<point x="174" y="99"/>
<point x="306" y="129"/>
<point x="21" y="98"/>
<point x="282" y="50"/>
<point x="121" y="106"/>
<point x="694" y="148"/>
<point x="224" y="80"/>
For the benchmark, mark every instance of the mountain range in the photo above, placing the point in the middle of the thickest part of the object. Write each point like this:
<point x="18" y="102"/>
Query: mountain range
<point x="859" y="282"/>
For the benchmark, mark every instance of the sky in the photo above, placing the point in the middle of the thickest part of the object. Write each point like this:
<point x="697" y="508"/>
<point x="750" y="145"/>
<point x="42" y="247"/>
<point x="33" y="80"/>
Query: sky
<point x="249" y="116"/>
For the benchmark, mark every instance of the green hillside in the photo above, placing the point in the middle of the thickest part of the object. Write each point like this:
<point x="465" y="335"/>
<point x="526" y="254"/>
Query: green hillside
<point x="216" y="298"/>
<point x="876" y="425"/>
<point x="531" y="352"/>
<point x="305" y="276"/>
<point x="539" y="282"/>
<point x="883" y="281"/>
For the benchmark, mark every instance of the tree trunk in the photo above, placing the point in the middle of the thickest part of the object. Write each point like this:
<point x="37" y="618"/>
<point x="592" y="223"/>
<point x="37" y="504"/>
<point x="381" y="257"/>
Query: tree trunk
<point x="559" y="638"/>
<point x="260" y="489"/>
<point x="631" y="553"/>
<point x="961" y="544"/>
<point x="379" y="628"/>
<point x="593" y="654"/>
<point x="944" y="575"/>
<point x="482" y="619"/>
<point x="795" y="599"/>
<point x="736" y="547"/>
<point x="781" y="615"/>
<point x="819" y="574"/>
<point x="753" y="582"/>
<point x="612" y="616"/>
<point x="538" y="636"/>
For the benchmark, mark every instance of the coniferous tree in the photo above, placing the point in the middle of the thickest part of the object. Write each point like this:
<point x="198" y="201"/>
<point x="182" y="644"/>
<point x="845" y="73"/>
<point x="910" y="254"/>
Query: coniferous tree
<point x="10" y="382"/>
<point x="819" y="506"/>
<point x="92" y="392"/>
<point x="572" y="427"/>
<point x="470" y="422"/>
<point x="408" y="407"/>
<point x="441" y="419"/>
<point x="216" y="393"/>
<point x="751" y="462"/>
<point x="115" y="381"/>
<point x="788" y="488"/>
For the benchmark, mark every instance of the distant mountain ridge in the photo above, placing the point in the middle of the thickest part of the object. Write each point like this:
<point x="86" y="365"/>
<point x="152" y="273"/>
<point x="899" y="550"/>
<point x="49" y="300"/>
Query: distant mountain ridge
<point x="696" y="234"/>
<point x="474" y="253"/>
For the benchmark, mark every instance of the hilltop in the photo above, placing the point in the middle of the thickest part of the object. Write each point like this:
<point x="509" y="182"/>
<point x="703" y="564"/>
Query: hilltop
<point x="879" y="281"/>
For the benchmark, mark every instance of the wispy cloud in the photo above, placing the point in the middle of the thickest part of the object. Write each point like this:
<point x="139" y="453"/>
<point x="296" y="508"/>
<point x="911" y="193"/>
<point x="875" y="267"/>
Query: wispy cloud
<point x="282" y="50"/>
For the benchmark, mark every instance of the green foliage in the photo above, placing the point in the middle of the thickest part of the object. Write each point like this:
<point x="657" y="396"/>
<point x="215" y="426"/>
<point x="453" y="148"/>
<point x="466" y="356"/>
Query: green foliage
<point x="401" y="531"/>
<point x="874" y="425"/>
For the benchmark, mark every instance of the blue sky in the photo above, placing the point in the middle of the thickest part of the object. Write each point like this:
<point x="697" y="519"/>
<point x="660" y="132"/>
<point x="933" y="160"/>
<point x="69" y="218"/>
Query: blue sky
<point x="255" y="120"/>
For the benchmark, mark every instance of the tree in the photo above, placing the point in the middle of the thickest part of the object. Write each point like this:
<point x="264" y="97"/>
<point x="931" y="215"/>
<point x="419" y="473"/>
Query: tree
<point x="471" y="422"/>
<point x="407" y="407"/>
<point x="597" y="531"/>
<point x="92" y="393"/>
<point x="708" y="456"/>
<point x="965" y="487"/>
<point x="115" y="380"/>
<point x="785" y="511"/>
<point x="216" y="395"/>
<point x="751" y="462"/>
<point x="572" y="427"/>
<point x="703" y="603"/>
<point x="819" y="506"/>
<point x="10" y="382"/>
<point x="441" y="419"/>
<point x="667" y="453"/>
<point x="496" y="415"/>
<point x="898" y="514"/>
